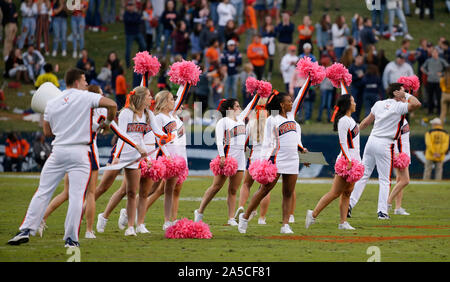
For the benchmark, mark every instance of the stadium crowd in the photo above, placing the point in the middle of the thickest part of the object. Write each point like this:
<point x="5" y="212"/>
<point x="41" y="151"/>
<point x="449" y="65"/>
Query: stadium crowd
<point x="231" y="40"/>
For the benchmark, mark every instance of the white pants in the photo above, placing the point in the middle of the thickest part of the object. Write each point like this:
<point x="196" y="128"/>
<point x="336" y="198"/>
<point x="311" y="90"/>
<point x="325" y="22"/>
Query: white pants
<point x="75" y="161"/>
<point x="378" y="152"/>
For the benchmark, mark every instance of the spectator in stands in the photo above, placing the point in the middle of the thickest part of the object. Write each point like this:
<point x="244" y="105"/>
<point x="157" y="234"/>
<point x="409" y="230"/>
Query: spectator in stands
<point x="347" y="58"/>
<point x="239" y="7"/>
<point x="268" y="38"/>
<point x="307" y="52"/>
<point x="114" y="62"/>
<point x="372" y="88"/>
<point x="47" y="76"/>
<point x="233" y="60"/>
<point x="9" y="23"/>
<point x="329" y="53"/>
<point x="195" y="40"/>
<point x="150" y="22"/>
<point x="180" y="38"/>
<point x="212" y="54"/>
<point x="357" y="70"/>
<point x="29" y="12"/>
<point x="445" y="99"/>
<point x="208" y="35"/>
<point x="436" y="141"/>
<point x="15" y="67"/>
<point x="446" y="49"/>
<point x="261" y="10"/>
<point x="285" y="33"/>
<point x="16" y="149"/>
<point x="34" y="61"/>
<point x="158" y="9"/>
<point x="132" y="20"/>
<point x="323" y="33"/>
<point x="367" y="34"/>
<point x="109" y="11"/>
<point x="434" y="68"/>
<point x="201" y="90"/>
<point x="217" y="87"/>
<point x="288" y="65"/>
<point x="395" y="9"/>
<point x="250" y="23"/>
<point x="410" y="55"/>
<point x="59" y="25"/>
<point x="305" y="32"/>
<point x="121" y="89"/>
<point x="231" y="32"/>
<point x="326" y="96"/>
<point x="379" y="14"/>
<point x="356" y="49"/>
<point x="339" y="32"/>
<point x="169" y="19"/>
<point x="43" y="25"/>
<point x="247" y="71"/>
<point x="87" y="64"/>
<point x="440" y="46"/>
<point x="78" y="24"/>
<point x="382" y="61"/>
<point x="421" y="56"/>
<point x="426" y="8"/>
<point x="357" y="27"/>
<point x="201" y="12"/>
<point x="370" y="56"/>
<point x="257" y="54"/>
<point x="93" y="17"/>
<point x="226" y="12"/>
<point x="213" y="9"/>
<point x="41" y="150"/>
<point x="395" y="69"/>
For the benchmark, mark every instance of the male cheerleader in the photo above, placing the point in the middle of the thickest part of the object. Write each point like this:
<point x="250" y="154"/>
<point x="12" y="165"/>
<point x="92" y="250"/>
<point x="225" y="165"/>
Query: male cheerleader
<point x="69" y="119"/>
<point x="379" y="151"/>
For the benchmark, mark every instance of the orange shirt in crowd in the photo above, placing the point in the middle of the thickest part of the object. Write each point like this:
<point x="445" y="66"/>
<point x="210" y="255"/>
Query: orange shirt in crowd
<point x="212" y="54"/>
<point x="121" y="85"/>
<point x="17" y="148"/>
<point x="257" y="54"/>
<point x="250" y="18"/>
<point x="302" y="27"/>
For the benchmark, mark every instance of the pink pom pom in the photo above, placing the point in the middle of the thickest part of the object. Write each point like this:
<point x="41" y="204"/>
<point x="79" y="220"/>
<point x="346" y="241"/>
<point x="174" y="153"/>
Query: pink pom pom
<point x="402" y="160"/>
<point x="229" y="168"/>
<point x="410" y="83"/>
<point x="251" y="84"/>
<point x="264" y="89"/>
<point x="305" y="67"/>
<point x="183" y="176"/>
<point x="338" y="73"/>
<point x="352" y="175"/>
<point x="156" y="169"/>
<point x="146" y="63"/>
<point x="263" y="171"/>
<point x="188" y="229"/>
<point x="184" y="72"/>
<point x="175" y="166"/>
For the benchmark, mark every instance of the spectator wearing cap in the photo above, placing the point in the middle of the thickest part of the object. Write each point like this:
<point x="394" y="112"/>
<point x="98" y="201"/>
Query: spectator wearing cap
<point x="436" y="142"/>
<point x="434" y="68"/>
<point x="288" y="64"/>
<point x="284" y="33"/>
<point x="232" y="59"/>
<point x="132" y="20"/>
<point x="307" y="52"/>
<point x="16" y="149"/>
<point x="257" y="54"/>
<point x="305" y="32"/>
<point x="226" y="12"/>
<point x="395" y="69"/>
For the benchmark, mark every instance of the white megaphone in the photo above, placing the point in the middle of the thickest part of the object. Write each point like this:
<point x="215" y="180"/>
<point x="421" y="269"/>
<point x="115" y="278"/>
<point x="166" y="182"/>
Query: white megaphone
<point x="43" y="94"/>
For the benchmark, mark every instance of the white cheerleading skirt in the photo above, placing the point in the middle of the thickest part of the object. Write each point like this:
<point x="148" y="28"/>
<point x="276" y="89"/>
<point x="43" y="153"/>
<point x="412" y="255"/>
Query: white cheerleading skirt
<point x="287" y="160"/>
<point x="238" y="155"/>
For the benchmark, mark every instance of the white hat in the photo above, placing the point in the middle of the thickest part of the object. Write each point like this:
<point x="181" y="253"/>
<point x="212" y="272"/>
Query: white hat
<point x="231" y="42"/>
<point x="436" y="121"/>
<point x="307" y="46"/>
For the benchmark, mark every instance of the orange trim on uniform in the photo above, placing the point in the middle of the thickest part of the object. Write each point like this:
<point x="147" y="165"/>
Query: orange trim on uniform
<point x="343" y="152"/>
<point x="120" y="151"/>
<point x="303" y="94"/>
<point x="392" y="165"/>
<point x="255" y="101"/>
<point x="90" y="126"/>
<point x="187" y="86"/>
<point x="350" y="140"/>
<point x="126" y="140"/>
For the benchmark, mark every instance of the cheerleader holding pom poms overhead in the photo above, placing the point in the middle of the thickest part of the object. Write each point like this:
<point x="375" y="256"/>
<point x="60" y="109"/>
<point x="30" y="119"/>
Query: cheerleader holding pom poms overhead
<point x="348" y="132"/>
<point x="230" y="163"/>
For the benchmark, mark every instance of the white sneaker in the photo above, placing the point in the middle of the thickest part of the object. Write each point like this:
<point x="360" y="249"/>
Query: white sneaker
<point x="74" y="54"/>
<point x="401" y="211"/>
<point x="232" y="222"/>
<point x="197" y="216"/>
<point x="54" y="53"/>
<point x="41" y="228"/>
<point x="243" y="224"/>
<point x="286" y="229"/>
<point x="345" y="226"/>
<point x="64" y="53"/>
<point x="130" y="231"/>
<point x="89" y="235"/>
<point x="291" y="219"/>
<point x="101" y="223"/>
<point x="252" y="215"/>
<point x="309" y="218"/>
<point x="123" y="219"/>
<point x="408" y="37"/>
<point x="141" y="229"/>
<point x="238" y="211"/>
<point x="262" y="220"/>
<point x="166" y="225"/>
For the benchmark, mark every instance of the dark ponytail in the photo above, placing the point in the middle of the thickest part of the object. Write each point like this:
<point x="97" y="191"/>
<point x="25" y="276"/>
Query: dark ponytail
<point x="343" y="104"/>
<point x="226" y="105"/>
<point x="274" y="102"/>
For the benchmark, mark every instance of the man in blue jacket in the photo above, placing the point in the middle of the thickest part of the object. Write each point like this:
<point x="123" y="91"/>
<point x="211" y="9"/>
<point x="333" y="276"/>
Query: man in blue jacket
<point x="232" y="59"/>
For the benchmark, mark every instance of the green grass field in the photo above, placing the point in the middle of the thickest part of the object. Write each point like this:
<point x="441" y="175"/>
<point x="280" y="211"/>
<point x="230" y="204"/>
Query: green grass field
<point x="424" y="236"/>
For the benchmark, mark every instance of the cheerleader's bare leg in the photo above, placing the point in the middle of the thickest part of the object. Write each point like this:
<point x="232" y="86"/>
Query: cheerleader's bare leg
<point x="133" y="177"/>
<point x="218" y="182"/>
<point x="288" y="188"/>
<point x="145" y="190"/>
<point x="245" y="189"/>
<point x="89" y="207"/>
<point x="115" y="199"/>
<point x="158" y="190"/>
<point x="264" y="206"/>
<point x="345" y="201"/>
<point x="233" y="185"/>
<point x="176" y="200"/>
<point x="339" y="185"/>
<point x="107" y="181"/>
<point x="402" y="182"/>
<point x="168" y="194"/>
<point x="259" y="196"/>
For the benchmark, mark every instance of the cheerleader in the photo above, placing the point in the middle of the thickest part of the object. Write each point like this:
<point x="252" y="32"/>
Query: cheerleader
<point x="280" y="145"/>
<point x="402" y="179"/>
<point x="230" y="140"/>
<point x="348" y="132"/>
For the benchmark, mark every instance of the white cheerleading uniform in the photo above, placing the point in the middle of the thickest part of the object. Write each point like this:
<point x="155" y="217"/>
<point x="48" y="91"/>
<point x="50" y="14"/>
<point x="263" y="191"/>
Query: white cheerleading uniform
<point x="402" y="143"/>
<point x="70" y="117"/>
<point x="231" y="135"/>
<point x="348" y="132"/>
<point x="281" y="139"/>
<point x="379" y="151"/>
<point x="172" y="124"/>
